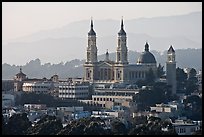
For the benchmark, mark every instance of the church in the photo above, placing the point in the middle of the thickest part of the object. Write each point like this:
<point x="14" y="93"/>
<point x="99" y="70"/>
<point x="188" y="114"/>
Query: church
<point x="120" y="71"/>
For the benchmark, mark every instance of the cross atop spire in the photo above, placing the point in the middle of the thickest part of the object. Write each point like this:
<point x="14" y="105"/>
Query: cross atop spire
<point x="122" y="23"/>
<point x="91" y="22"/>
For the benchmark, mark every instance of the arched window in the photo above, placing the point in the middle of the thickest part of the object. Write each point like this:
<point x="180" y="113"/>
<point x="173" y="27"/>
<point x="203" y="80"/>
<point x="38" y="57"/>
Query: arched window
<point x="119" y="57"/>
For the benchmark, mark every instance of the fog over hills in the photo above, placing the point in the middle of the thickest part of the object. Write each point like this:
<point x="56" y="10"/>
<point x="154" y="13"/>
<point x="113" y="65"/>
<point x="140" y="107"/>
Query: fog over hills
<point x="69" y="42"/>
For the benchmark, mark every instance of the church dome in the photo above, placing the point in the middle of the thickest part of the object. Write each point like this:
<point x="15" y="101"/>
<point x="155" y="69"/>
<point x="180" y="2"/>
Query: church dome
<point x="146" y="56"/>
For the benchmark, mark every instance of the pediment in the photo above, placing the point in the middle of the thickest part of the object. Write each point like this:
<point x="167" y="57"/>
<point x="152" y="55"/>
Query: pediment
<point x="105" y="64"/>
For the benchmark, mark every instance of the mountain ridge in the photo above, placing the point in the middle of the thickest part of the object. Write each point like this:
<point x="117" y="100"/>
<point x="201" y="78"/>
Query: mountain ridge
<point x="35" y="69"/>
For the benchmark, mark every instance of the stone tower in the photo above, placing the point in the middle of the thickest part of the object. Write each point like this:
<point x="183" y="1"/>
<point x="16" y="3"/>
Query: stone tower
<point x="171" y="69"/>
<point x="91" y="49"/>
<point x="121" y="51"/>
<point x="18" y="80"/>
<point x="121" y="56"/>
<point x="91" y="58"/>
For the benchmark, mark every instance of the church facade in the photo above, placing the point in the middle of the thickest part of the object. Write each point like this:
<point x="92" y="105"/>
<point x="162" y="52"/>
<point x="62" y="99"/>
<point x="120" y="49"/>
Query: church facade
<point x="118" y="71"/>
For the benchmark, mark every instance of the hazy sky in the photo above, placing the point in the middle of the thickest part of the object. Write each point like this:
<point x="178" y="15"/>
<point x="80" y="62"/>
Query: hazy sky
<point x="24" y="18"/>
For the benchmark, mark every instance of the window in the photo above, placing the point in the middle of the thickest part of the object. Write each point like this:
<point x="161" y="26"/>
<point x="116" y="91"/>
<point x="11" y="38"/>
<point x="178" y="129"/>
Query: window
<point x="118" y="75"/>
<point x="182" y="130"/>
<point x="192" y="129"/>
<point x="118" y="56"/>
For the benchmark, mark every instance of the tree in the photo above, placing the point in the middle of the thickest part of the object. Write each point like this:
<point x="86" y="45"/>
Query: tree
<point x="192" y="73"/>
<point x="118" y="128"/>
<point x="160" y="70"/>
<point x="193" y="107"/>
<point x="141" y="83"/>
<point x="150" y="77"/>
<point x="85" y="126"/>
<point x="48" y="125"/>
<point x="191" y="84"/>
<point x="17" y="124"/>
<point x="181" y="76"/>
<point x="153" y="126"/>
<point x="139" y="120"/>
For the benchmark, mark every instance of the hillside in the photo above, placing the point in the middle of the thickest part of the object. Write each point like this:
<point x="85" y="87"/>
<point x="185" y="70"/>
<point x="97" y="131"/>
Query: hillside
<point x="74" y="68"/>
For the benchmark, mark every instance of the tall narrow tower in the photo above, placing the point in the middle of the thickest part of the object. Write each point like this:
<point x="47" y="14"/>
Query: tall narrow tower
<point x="91" y="49"/>
<point x="120" y="74"/>
<point x="91" y="58"/>
<point x="171" y="69"/>
<point x="121" y="51"/>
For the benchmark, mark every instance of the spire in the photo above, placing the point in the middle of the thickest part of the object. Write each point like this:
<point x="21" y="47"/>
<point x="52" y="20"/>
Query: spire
<point x="92" y="32"/>
<point x="122" y="23"/>
<point x="91" y="23"/>
<point x="122" y="31"/>
<point x="107" y="56"/>
<point x="20" y="69"/>
<point x="171" y="50"/>
<point x="146" y="47"/>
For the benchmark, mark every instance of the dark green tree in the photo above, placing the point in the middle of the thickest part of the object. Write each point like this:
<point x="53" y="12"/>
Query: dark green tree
<point x="150" y="77"/>
<point x="193" y="107"/>
<point x="48" y="125"/>
<point x="181" y="78"/>
<point x="153" y="126"/>
<point x="191" y="84"/>
<point x="118" y="128"/>
<point x="141" y="83"/>
<point x="192" y="73"/>
<point x="17" y="124"/>
<point x="160" y="70"/>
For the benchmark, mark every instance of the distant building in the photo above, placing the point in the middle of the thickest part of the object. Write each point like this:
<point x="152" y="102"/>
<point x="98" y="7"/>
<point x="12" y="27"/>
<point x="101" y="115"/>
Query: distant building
<point x="18" y="80"/>
<point x="120" y="71"/>
<point x="44" y="85"/>
<point x="185" y="128"/>
<point x="73" y="89"/>
<point x="171" y="69"/>
<point x="37" y="87"/>
<point x="35" y="106"/>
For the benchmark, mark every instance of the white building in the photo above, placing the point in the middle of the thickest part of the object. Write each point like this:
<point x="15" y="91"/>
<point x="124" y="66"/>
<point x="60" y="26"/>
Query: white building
<point x="105" y="114"/>
<point x="184" y="128"/>
<point x="35" y="106"/>
<point x="73" y="90"/>
<point x="37" y="87"/>
<point x="108" y="100"/>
